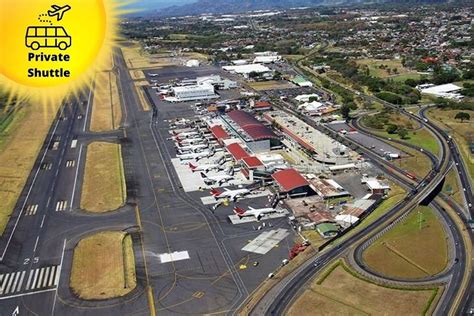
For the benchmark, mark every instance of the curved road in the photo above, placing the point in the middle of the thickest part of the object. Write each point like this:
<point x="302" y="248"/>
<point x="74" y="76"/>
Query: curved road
<point x="278" y="299"/>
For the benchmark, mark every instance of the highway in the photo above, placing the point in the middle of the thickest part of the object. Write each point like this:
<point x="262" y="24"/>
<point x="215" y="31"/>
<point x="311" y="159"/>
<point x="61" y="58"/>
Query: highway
<point x="279" y="298"/>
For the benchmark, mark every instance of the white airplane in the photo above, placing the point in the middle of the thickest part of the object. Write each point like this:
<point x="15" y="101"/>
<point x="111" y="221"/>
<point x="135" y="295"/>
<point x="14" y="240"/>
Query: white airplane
<point x="205" y="168"/>
<point x="191" y="148"/>
<point x="185" y="134"/>
<point x="197" y="156"/>
<point x="257" y="213"/>
<point x="58" y="11"/>
<point x="229" y="194"/>
<point x="189" y="141"/>
<point x="219" y="179"/>
<point x="153" y="75"/>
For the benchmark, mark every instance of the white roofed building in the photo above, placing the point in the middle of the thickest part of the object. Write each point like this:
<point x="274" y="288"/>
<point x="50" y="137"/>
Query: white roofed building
<point x="192" y="93"/>
<point x="246" y="70"/>
<point x="449" y="90"/>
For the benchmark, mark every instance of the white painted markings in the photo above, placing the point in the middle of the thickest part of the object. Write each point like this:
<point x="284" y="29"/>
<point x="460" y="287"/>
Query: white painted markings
<point x="173" y="256"/>
<point x="38" y="279"/>
<point x="70" y="163"/>
<point x="74" y="143"/>
<point x="61" y="206"/>
<point x="266" y="241"/>
<point x="31" y="210"/>
<point x="46" y="166"/>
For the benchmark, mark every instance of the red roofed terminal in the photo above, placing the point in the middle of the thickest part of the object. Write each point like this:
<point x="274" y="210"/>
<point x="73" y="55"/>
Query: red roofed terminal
<point x="292" y="182"/>
<point x="253" y="127"/>
<point x="219" y="133"/>
<point x="237" y="151"/>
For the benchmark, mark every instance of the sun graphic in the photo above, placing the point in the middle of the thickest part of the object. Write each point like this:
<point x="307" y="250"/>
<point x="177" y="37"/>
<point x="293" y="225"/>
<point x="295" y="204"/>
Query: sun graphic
<point x="53" y="48"/>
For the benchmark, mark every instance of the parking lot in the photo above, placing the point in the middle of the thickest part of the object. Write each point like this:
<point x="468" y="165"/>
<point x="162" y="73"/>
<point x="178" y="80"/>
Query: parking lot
<point x="377" y="146"/>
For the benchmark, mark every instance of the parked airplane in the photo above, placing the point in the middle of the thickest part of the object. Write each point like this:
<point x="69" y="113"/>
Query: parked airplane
<point x="153" y="75"/>
<point x="205" y="168"/>
<point x="191" y="148"/>
<point x="197" y="156"/>
<point x="229" y="194"/>
<point x="185" y="134"/>
<point x="219" y="179"/>
<point x="257" y="213"/>
<point x="189" y="141"/>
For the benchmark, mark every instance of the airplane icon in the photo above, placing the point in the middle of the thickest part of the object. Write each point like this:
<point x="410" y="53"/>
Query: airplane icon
<point x="58" y="11"/>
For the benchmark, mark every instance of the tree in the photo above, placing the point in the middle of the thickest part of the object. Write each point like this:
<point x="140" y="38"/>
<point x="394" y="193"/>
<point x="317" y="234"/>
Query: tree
<point x="402" y="132"/>
<point x="345" y="111"/>
<point x="391" y="128"/>
<point x="462" y="116"/>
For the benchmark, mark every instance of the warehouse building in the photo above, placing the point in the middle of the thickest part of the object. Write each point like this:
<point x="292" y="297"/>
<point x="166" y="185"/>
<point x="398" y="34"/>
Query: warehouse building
<point x="192" y="93"/>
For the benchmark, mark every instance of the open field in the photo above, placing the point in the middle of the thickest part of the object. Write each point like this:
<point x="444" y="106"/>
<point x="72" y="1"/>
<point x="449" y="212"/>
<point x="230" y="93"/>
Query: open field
<point x="137" y="74"/>
<point x="342" y="293"/>
<point x="376" y="71"/>
<point x="314" y="237"/>
<point x="106" y="109"/>
<point x="402" y="78"/>
<point x="452" y="187"/>
<point x="9" y="122"/>
<point x="103" y="266"/>
<point x="141" y="95"/>
<point x="270" y="85"/>
<point x="417" y="163"/>
<point x="103" y="188"/>
<point x="108" y="63"/>
<point x="463" y="133"/>
<point x="415" y="248"/>
<point x="20" y="144"/>
<point x="421" y="138"/>
<point x="136" y="58"/>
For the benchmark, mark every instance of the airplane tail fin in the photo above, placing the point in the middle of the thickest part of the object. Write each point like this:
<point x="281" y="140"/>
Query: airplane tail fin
<point x="239" y="212"/>
<point x="214" y="192"/>
<point x="192" y="167"/>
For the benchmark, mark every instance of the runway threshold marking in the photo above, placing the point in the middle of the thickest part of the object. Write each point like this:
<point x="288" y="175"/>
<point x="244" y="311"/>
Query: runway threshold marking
<point x="31" y="209"/>
<point x="43" y="278"/>
<point x="61" y="206"/>
<point x="70" y="163"/>
<point x="198" y="294"/>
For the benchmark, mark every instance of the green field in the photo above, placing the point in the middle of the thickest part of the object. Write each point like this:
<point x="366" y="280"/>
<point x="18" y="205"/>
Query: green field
<point x="375" y="69"/>
<point x="340" y="291"/>
<point x="452" y="187"/>
<point x="463" y="133"/>
<point x="421" y="138"/>
<point x="414" y="248"/>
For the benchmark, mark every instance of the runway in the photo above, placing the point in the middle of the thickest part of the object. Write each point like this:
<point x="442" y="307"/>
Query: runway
<point x="214" y="274"/>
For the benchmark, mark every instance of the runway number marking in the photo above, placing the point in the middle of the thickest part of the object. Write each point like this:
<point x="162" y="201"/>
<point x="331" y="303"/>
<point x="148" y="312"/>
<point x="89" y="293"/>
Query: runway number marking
<point x="28" y="260"/>
<point x="16" y="311"/>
